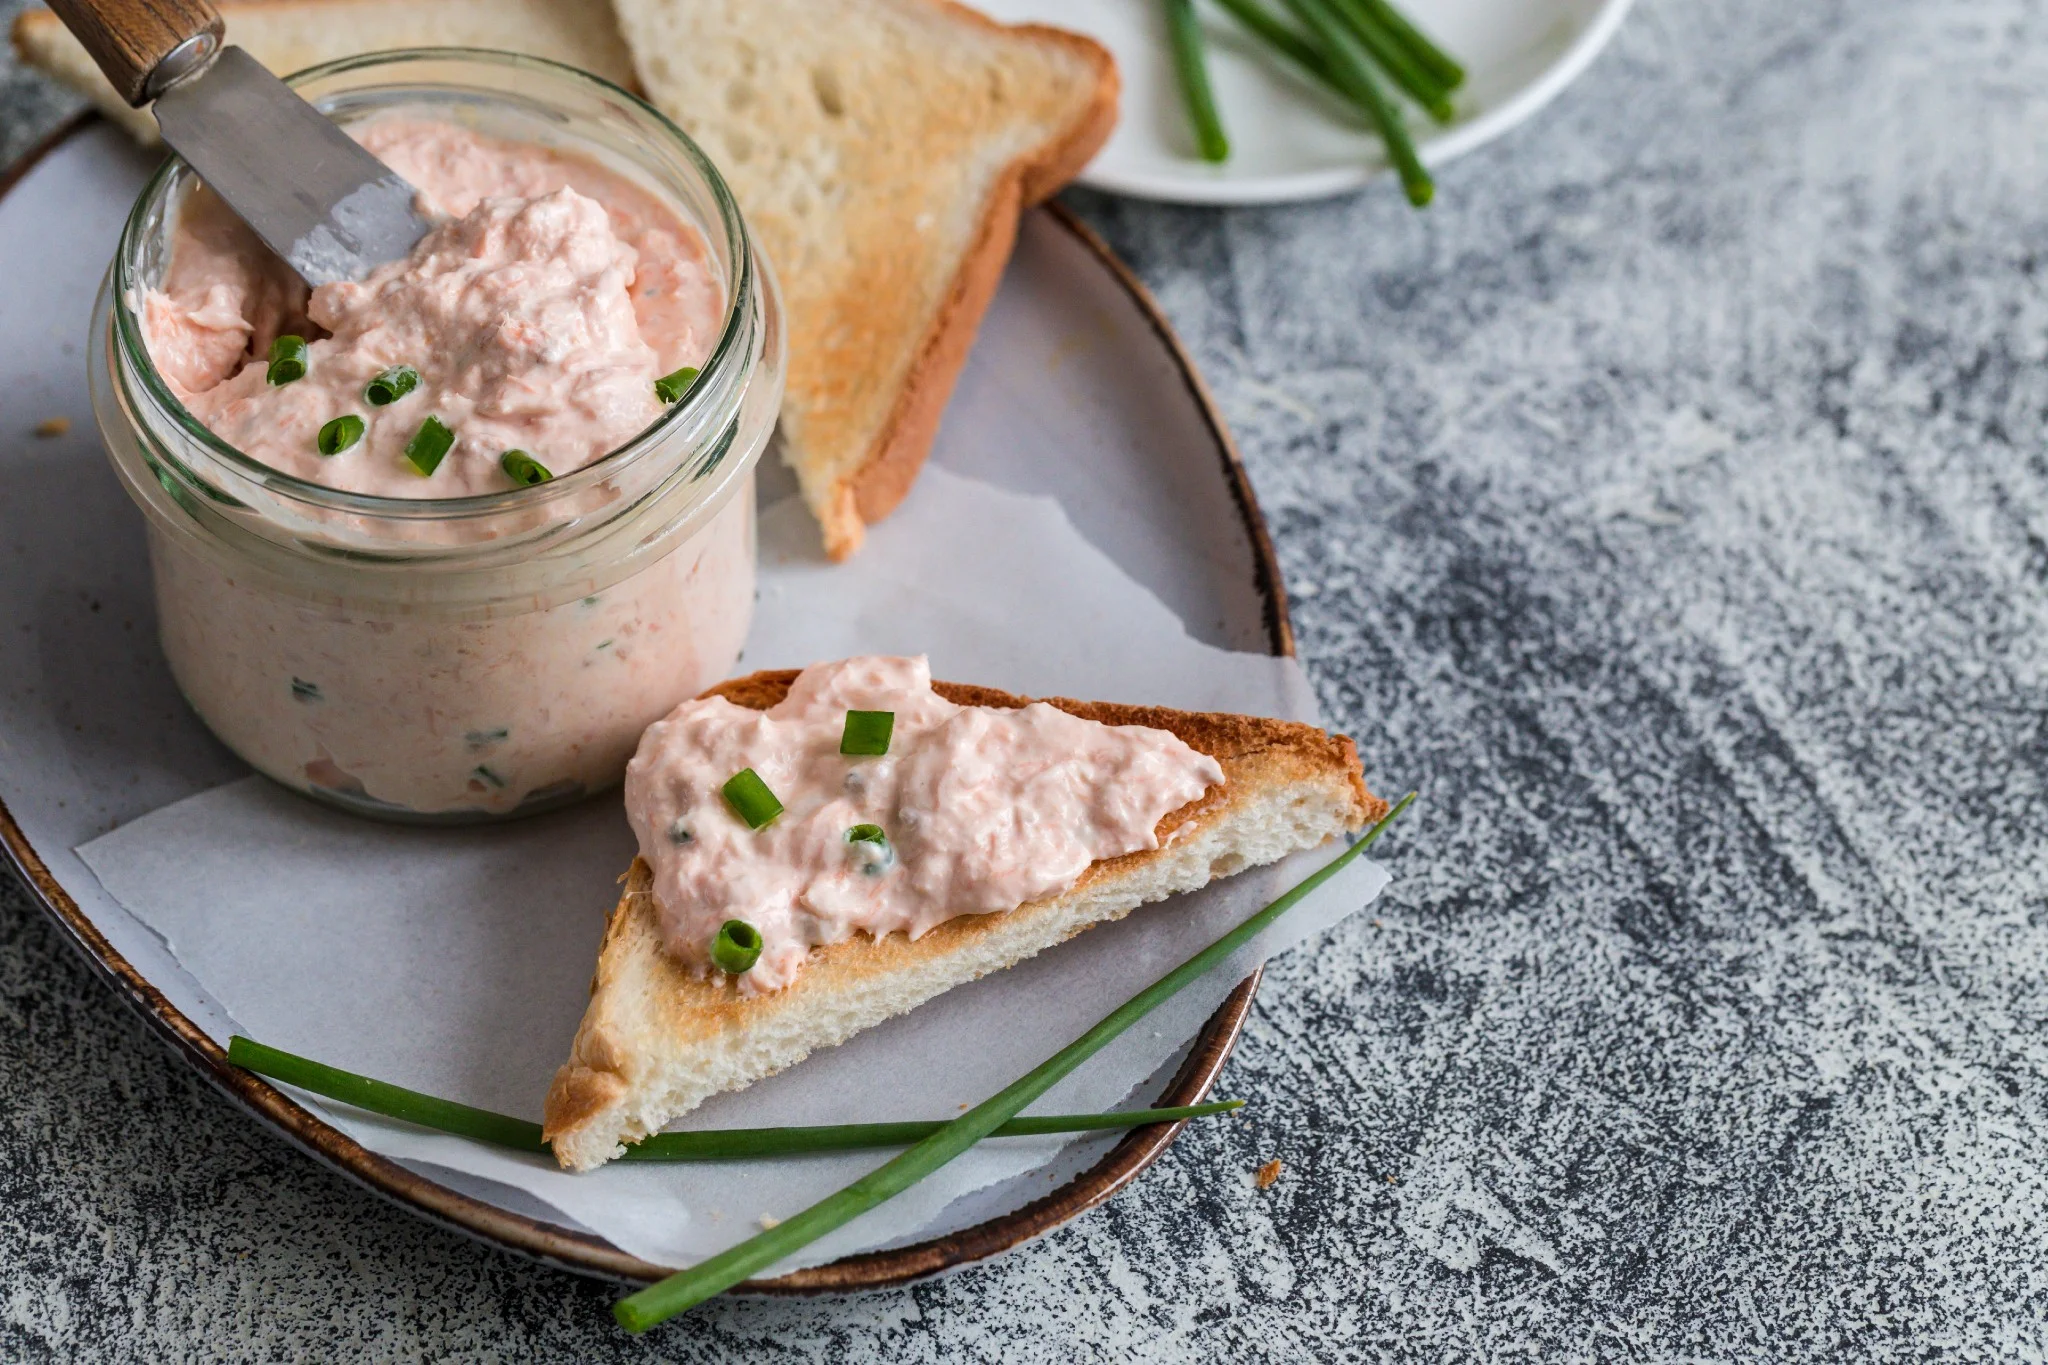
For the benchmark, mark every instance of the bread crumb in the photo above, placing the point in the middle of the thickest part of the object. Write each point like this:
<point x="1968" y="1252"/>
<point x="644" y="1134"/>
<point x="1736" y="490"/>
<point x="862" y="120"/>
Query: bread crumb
<point x="769" y="1220"/>
<point x="1269" y="1175"/>
<point x="53" y="426"/>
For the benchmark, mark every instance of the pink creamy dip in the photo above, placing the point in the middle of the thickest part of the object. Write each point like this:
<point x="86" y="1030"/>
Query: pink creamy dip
<point x="985" y="809"/>
<point x="539" y="313"/>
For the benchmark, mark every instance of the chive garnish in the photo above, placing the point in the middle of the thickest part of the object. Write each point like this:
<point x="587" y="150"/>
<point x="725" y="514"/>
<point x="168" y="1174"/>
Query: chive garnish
<point x="523" y="469"/>
<point x="305" y="691"/>
<point x="485" y="774"/>
<point x="671" y="387"/>
<point x="1440" y="64"/>
<point x="1395" y="58"/>
<point x="1349" y="64"/>
<point x="287" y="360"/>
<point x="484" y="739"/>
<point x="679" y="831"/>
<point x="339" y="434"/>
<point x="736" y="948"/>
<point x="867" y="733"/>
<point x="686" y="1289"/>
<point x="429" y="445"/>
<point x="872" y="848"/>
<point x="727" y="1144"/>
<point x="391" y="385"/>
<point x="750" y="798"/>
<point x="1191" y="66"/>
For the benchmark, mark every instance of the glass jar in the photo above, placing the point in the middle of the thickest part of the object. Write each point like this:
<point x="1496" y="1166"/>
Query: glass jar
<point x="455" y="659"/>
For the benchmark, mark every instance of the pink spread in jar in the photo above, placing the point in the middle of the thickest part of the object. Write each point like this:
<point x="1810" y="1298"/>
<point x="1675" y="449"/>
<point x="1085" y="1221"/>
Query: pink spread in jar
<point x="537" y="315"/>
<point x="480" y="662"/>
<point x="981" y="809"/>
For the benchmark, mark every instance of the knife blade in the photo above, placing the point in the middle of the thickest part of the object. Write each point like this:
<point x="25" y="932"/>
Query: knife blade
<point x="309" y="190"/>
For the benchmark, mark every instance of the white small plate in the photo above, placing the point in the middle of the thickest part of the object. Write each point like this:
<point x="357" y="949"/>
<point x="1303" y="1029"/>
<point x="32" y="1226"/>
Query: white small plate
<point x="1288" y="139"/>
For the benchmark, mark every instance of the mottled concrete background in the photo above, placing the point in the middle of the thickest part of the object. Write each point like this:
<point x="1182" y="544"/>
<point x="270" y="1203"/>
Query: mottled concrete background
<point x="1669" y="504"/>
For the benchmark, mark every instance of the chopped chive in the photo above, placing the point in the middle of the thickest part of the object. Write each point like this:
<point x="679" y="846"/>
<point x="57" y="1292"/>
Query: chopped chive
<point x="678" y="832"/>
<point x="339" y="434"/>
<point x="737" y="947"/>
<point x="1420" y="84"/>
<point x="487" y="775"/>
<point x="688" y="1288"/>
<point x="429" y="445"/>
<point x="484" y="739"/>
<point x="1191" y="65"/>
<point x="305" y="691"/>
<point x="671" y="387"/>
<point x="1347" y="59"/>
<point x="391" y="385"/>
<point x="872" y="847"/>
<point x="750" y="799"/>
<point x="867" y="733"/>
<point x="523" y="469"/>
<point x="727" y="1144"/>
<point x="287" y="360"/>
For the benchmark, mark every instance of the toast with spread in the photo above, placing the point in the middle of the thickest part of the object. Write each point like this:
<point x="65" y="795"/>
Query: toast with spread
<point x="659" y="1037"/>
<point x="881" y="151"/>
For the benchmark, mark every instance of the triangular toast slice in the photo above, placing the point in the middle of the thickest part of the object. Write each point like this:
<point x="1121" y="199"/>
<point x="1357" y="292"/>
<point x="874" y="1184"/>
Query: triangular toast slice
<point x="882" y="151"/>
<point x="656" y="1040"/>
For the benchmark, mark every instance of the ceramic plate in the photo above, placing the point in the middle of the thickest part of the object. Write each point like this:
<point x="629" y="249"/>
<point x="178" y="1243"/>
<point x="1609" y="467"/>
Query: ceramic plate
<point x="1133" y="449"/>
<point x="1288" y="139"/>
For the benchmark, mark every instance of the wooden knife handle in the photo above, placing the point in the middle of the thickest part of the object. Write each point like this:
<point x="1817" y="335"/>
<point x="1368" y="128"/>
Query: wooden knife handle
<point x="131" y="38"/>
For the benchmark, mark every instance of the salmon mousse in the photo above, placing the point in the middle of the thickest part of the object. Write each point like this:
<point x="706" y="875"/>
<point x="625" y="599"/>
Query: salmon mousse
<point x="864" y="802"/>
<point x="550" y="316"/>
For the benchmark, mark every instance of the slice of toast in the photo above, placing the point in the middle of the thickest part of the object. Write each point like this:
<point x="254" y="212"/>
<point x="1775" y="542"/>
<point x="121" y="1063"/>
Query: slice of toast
<point x="882" y="151"/>
<point x="290" y="35"/>
<point x="657" y="1040"/>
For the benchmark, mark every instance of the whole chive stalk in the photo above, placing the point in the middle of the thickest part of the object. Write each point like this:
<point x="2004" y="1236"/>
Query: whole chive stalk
<point x="1191" y="66"/>
<point x="429" y="445"/>
<point x="1271" y="30"/>
<point x="736" y="948"/>
<point x="1348" y="60"/>
<point x="751" y="799"/>
<point x="718" y="1144"/>
<point x="1438" y="62"/>
<point x="380" y="1097"/>
<point x="339" y="434"/>
<point x="523" y="469"/>
<point x="686" y="1289"/>
<point x="671" y="387"/>
<point x="1397" y="61"/>
<point x="391" y="385"/>
<point x="287" y="360"/>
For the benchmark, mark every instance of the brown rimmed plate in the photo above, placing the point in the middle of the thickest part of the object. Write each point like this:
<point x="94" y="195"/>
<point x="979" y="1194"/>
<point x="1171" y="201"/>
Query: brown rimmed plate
<point x="1075" y="358"/>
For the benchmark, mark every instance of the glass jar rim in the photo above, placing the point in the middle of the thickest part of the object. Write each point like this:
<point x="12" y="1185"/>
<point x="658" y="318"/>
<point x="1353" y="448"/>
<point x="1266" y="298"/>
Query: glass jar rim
<point x="740" y="284"/>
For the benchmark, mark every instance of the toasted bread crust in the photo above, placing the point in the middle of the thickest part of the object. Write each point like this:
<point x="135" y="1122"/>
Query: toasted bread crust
<point x="639" y="991"/>
<point x="892" y="464"/>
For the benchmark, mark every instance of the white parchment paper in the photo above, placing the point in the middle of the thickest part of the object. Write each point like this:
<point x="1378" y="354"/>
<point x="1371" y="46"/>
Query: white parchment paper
<point x="457" y="961"/>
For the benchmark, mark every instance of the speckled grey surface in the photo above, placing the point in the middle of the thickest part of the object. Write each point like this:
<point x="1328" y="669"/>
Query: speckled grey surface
<point x="1670" y="505"/>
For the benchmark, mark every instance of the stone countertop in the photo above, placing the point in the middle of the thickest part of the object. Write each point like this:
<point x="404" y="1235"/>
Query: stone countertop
<point x="1669" y="505"/>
